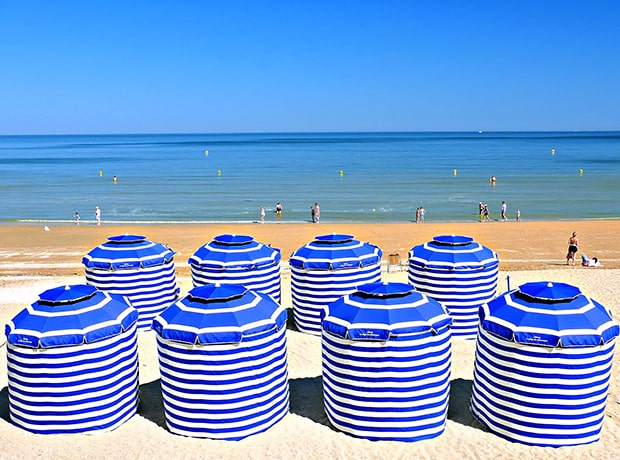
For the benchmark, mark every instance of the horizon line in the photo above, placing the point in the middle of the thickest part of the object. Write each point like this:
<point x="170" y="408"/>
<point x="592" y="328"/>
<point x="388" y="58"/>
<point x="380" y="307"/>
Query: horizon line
<point x="172" y="133"/>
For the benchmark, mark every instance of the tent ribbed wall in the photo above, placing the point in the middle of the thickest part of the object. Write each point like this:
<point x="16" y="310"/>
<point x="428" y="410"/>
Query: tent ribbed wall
<point x="139" y="269"/>
<point x="542" y="369"/>
<point x="326" y="269"/>
<point x="237" y="259"/>
<point x="459" y="273"/>
<point x="386" y="364"/>
<point x="222" y="357"/>
<point x="63" y="379"/>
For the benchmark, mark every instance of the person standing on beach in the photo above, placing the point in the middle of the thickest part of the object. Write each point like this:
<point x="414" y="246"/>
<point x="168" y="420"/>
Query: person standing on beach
<point x="98" y="215"/>
<point x="504" y="211"/>
<point x="312" y="216"/>
<point x="422" y="213"/>
<point x="572" y="248"/>
<point x="485" y="213"/>
<point x="317" y="212"/>
<point x="278" y="211"/>
<point x="480" y="210"/>
<point x="77" y="218"/>
<point x="518" y="215"/>
<point x="262" y="214"/>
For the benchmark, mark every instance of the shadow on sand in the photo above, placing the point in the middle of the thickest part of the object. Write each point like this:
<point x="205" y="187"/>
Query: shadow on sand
<point x="151" y="405"/>
<point x="458" y="407"/>
<point x="4" y="405"/>
<point x="307" y="399"/>
<point x="290" y="321"/>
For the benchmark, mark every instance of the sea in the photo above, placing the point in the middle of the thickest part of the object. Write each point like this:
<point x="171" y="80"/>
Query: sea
<point x="354" y="177"/>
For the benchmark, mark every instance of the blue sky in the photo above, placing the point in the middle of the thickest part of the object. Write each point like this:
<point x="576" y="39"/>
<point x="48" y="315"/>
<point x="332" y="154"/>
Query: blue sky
<point x="270" y="66"/>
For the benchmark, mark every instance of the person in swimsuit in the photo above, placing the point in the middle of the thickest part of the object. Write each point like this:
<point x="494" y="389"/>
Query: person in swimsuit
<point x="572" y="248"/>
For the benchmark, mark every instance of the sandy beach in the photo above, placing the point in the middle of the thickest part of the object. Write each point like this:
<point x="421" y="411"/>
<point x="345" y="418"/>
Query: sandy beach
<point x="32" y="260"/>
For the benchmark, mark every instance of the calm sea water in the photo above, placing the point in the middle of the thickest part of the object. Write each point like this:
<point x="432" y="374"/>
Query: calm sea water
<point x="385" y="176"/>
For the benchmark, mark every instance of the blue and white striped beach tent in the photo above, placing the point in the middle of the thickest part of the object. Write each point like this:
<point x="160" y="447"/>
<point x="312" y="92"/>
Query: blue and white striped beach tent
<point x="238" y="259"/>
<point x="543" y="365"/>
<point x="222" y="359"/>
<point x="324" y="270"/>
<point x="137" y="268"/>
<point x="387" y="359"/>
<point x="459" y="273"/>
<point x="72" y="359"/>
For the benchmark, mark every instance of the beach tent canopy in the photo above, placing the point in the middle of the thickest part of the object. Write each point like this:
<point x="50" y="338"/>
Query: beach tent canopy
<point x="451" y="252"/>
<point x="549" y="314"/>
<point x="72" y="359"/>
<point x="230" y="251"/>
<point x="324" y="270"/>
<point x="71" y="315"/>
<point x="137" y="268"/>
<point x="219" y="314"/>
<point x="335" y="252"/>
<point x="544" y="354"/>
<point x="386" y="363"/>
<point x="222" y="360"/>
<point x="238" y="259"/>
<point x="126" y="252"/>
<point x="380" y="311"/>
<point x="459" y="273"/>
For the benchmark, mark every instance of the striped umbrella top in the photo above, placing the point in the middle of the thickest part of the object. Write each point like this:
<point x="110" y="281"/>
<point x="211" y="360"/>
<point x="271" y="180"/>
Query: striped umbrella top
<point x="335" y="252"/>
<point x="549" y="314"/>
<point x="71" y="315"/>
<point x="219" y="314"/>
<point x="127" y="252"/>
<point x="383" y="311"/>
<point x="230" y="251"/>
<point x="453" y="252"/>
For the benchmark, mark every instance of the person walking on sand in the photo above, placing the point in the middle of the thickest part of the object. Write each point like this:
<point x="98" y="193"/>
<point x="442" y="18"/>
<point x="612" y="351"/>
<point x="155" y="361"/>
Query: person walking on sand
<point x="485" y="212"/>
<point x="317" y="212"/>
<point x="504" y="211"/>
<point x="77" y="218"/>
<point x="262" y="214"/>
<point x="98" y="215"/>
<point x="480" y="210"/>
<point x="572" y="248"/>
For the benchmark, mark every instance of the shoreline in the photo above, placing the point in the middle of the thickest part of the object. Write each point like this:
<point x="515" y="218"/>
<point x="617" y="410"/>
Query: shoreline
<point x="71" y="222"/>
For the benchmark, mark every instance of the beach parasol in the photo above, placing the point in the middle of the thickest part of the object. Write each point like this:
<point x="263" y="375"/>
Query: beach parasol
<point x="458" y="272"/>
<point x="325" y="269"/>
<point x="222" y="357"/>
<point x="543" y="365"/>
<point x="140" y="269"/>
<point x="386" y="363"/>
<point x="237" y="259"/>
<point x="73" y="362"/>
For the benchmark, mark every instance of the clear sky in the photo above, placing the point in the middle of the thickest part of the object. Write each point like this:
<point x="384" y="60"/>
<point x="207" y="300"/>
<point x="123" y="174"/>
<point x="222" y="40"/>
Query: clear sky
<point x="131" y="66"/>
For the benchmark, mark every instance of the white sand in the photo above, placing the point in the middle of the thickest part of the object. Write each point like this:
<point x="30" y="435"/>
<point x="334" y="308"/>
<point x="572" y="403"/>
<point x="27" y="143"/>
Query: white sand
<point x="304" y="433"/>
